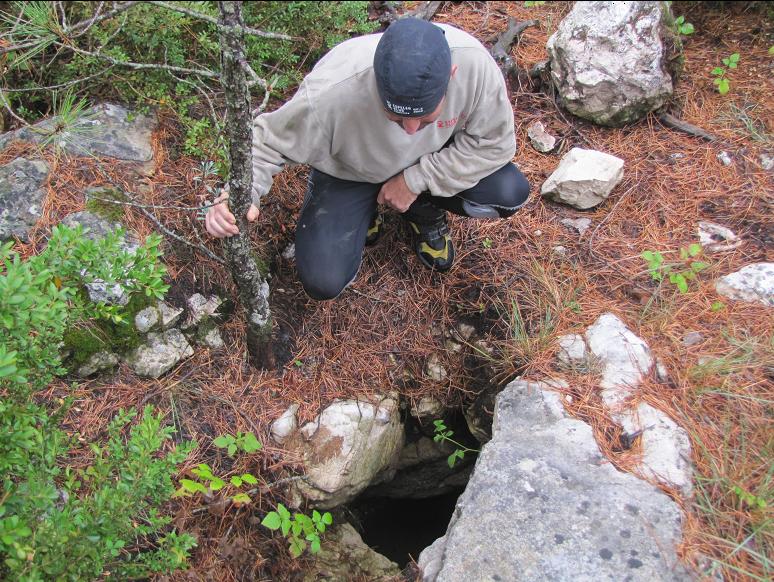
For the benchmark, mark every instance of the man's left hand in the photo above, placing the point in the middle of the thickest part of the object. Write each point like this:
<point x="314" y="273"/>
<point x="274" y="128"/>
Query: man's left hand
<point x="395" y="194"/>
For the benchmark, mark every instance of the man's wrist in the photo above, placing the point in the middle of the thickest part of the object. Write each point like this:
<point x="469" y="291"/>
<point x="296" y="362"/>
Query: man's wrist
<point x="415" y="180"/>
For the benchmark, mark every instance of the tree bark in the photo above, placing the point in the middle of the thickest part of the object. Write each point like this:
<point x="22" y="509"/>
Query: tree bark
<point x="253" y="288"/>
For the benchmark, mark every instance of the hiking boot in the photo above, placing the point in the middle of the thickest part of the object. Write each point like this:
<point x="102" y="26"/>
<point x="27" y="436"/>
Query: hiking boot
<point x="375" y="230"/>
<point x="433" y="244"/>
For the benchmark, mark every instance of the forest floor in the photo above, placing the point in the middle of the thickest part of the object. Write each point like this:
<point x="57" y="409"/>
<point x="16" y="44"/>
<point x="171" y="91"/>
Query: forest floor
<point x="378" y="335"/>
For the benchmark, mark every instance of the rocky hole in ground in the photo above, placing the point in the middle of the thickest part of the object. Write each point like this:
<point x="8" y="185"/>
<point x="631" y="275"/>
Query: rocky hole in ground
<point x="402" y="517"/>
<point x="401" y="528"/>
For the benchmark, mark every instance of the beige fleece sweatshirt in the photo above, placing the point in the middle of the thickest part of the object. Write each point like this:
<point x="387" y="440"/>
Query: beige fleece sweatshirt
<point x="336" y="123"/>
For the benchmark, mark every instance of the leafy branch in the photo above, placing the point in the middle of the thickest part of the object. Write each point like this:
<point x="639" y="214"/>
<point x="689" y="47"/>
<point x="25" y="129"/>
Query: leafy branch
<point x="443" y="434"/>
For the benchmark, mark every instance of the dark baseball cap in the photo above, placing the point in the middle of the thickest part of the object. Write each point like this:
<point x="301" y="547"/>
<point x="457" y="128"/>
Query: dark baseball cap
<point x="412" y="64"/>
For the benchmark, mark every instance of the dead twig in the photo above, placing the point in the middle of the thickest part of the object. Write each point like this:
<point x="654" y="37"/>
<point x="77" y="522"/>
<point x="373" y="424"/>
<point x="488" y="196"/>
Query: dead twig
<point x="674" y="123"/>
<point x="501" y="51"/>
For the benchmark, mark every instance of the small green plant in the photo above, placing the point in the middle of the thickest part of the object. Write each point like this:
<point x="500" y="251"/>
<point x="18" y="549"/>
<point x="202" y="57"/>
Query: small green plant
<point x="444" y="434"/>
<point x="245" y="442"/>
<point x="293" y="528"/>
<point x="721" y="81"/>
<point x="208" y="482"/>
<point x="531" y="3"/>
<point x="487" y="243"/>
<point x="678" y="273"/>
<point x="683" y="27"/>
<point x="717" y="306"/>
<point x="750" y="500"/>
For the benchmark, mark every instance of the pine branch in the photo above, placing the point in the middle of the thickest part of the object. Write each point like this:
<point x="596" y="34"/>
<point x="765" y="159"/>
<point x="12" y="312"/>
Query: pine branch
<point x="211" y="20"/>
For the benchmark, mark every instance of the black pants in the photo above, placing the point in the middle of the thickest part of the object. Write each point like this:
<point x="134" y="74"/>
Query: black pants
<point x="334" y="221"/>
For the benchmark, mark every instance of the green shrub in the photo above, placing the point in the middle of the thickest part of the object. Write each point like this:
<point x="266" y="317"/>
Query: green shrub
<point x="58" y="523"/>
<point x="151" y="34"/>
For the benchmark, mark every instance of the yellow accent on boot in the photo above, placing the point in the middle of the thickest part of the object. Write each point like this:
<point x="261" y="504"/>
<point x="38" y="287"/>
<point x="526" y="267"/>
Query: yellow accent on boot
<point x="426" y="238"/>
<point x="375" y="230"/>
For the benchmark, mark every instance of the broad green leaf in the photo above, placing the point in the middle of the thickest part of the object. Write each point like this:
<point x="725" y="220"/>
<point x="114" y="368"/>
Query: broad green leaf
<point x="283" y="511"/>
<point x="193" y="486"/>
<point x="694" y="249"/>
<point x="223" y="441"/>
<point x="452" y="460"/>
<point x="687" y="28"/>
<point x="699" y="266"/>
<point x="272" y="520"/>
<point x="232" y="448"/>
<point x="285" y="527"/>
<point x="316" y="516"/>
<point x="250" y="444"/>
<point x="327" y="518"/>
<point x="236" y="481"/>
<point x="683" y="254"/>
<point x="679" y="20"/>
<point x="249" y="479"/>
<point x="315" y="546"/>
<point x="718" y="71"/>
<point x="723" y="86"/>
<point x="217" y="484"/>
<point x="241" y="498"/>
<point x="680" y="281"/>
<point x="717" y="306"/>
<point x="734" y="58"/>
<point x="296" y="527"/>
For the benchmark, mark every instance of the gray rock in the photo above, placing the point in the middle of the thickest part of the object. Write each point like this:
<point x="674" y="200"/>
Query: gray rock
<point x="290" y="252"/>
<point x="666" y="449"/>
<point x="159" y="354"/>
<point x="96" y="227"/>
<point x="541" y="140"/>
<point x="581" y="225"/>
<point x="423" y="471"/>
<point x="284" y="427"/>
<point x="201" y="308"/>
<point x="573" y="352"/>
<point x="147" y="319"/>
<point x="344" y="556"/>
<point x="169" y="314"/>
<point x="350" y="446"/>
<point x="434" y="370"/>
<point x="108" y="293"/>
<point x="543" y="504"/>
<point x="725" y="158"/>
<point x="753" y="283"/>
<point x="427" y="408"/>
<point x="584" y="178"/>
<point x="767" y="162"/>
<point x="715" y="237"/>
<point x="97" y="362"/>
<point x="623" y="358"/>
<point x="21" y="197"/>
<point x="104" y="130"/>
<point x="211" y="338"/>
<point x="692" y="338"/>
<point x="560" y="251"/>
<point x="609" y="61"/>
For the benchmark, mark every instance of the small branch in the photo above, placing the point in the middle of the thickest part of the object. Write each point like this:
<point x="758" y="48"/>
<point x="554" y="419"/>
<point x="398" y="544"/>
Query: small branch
<point x="60" y="86"/>
<point x="501" y="51"/>
<point x="256" y="80"/>
<point x="202" y="72"/>
<point x="674" y="123"/>
<point x="79" y="26"/>
<point x="154" y="206"/>
<point x="7" y="106"/>
<point x="179" y="238"/>
<point x="254" y="31"/>
<point x="426" y="10"/>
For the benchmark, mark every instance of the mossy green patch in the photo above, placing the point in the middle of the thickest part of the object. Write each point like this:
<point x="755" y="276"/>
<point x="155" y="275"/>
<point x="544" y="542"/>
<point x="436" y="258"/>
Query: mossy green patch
<point x="89" y="337"/>
<point x="106" y="202"/>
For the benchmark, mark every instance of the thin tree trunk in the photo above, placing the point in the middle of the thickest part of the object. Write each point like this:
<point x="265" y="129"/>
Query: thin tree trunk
<point x="253" y="289"/>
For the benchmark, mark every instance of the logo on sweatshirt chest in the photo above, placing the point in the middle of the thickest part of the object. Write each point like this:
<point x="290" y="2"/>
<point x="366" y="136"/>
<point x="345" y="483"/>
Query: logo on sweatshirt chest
<point x="447" y="123"/>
